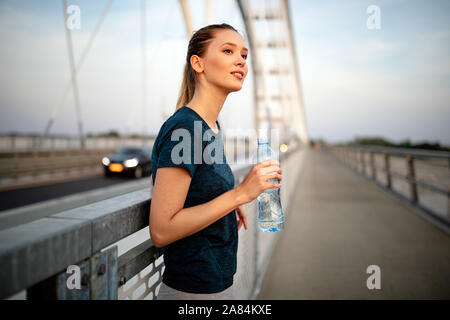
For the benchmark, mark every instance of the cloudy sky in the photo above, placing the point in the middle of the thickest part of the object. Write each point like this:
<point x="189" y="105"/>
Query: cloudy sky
<point x="391" y="82"/>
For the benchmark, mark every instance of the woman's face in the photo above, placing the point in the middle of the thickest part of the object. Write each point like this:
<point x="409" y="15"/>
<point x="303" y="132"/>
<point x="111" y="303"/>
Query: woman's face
<point x="225" y="57"/>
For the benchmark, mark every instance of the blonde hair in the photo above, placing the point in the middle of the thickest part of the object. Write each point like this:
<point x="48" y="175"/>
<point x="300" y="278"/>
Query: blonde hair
<point x="197" y="46"/>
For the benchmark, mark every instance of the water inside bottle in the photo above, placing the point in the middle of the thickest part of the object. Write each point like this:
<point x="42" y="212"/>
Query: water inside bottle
<point x="270" y="213"/>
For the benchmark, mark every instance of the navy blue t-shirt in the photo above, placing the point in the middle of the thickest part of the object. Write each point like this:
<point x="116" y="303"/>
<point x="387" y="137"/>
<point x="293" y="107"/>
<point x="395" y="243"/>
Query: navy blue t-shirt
<point x="204" y="262"/>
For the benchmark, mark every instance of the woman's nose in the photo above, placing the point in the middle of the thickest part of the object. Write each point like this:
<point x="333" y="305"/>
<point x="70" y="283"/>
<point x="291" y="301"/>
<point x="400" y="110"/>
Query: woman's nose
<point x="241" y="61"/>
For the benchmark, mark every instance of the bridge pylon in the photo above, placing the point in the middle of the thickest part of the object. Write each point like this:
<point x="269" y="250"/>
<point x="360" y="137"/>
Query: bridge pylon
<point x="277" y="85"/>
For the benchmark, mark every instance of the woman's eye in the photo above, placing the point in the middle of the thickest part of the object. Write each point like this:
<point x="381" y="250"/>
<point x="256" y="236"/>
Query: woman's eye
<point x="229" y="50"/>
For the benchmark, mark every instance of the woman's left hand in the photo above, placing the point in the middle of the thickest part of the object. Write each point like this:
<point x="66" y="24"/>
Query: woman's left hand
<point x="241" y="217"/>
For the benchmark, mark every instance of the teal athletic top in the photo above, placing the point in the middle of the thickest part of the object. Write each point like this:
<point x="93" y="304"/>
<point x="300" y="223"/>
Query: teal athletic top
<point x="204" y="262"/>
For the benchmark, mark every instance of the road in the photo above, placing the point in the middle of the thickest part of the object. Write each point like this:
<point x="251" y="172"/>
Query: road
<point x="20" y="197"/>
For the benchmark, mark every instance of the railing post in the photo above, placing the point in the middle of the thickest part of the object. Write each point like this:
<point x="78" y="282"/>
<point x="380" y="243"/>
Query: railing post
<point x="448" y="203"/>
<point x="13" y="144"/>
<point x="372" y="165"/>
<point x="363" y="162"/>
<point x="412" y="177"/>
<point x="104" y="276"/>
<point x="388" y="170"/>
<point x="57" y="288"/>
<point x="98" y="276"/>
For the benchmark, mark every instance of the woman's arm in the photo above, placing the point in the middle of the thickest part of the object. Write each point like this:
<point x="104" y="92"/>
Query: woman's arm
<point x="169" y="221"/>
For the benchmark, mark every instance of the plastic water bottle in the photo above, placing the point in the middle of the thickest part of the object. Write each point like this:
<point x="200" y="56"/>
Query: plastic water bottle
<point x="270" y="213"/>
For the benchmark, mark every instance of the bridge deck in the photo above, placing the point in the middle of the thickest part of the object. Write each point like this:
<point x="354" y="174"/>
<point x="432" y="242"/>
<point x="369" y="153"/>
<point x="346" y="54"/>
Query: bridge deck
<point x="341" y="223"/>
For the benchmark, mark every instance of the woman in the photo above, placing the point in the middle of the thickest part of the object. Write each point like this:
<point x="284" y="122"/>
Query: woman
<point x="195" y="210"/>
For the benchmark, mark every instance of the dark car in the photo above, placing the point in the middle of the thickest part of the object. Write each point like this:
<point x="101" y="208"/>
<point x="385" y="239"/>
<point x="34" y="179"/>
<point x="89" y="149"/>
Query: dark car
<point x="132" y="161"/>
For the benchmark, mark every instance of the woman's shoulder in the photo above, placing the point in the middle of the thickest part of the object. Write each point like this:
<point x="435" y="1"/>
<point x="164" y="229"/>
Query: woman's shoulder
<point x="180" y="119"/>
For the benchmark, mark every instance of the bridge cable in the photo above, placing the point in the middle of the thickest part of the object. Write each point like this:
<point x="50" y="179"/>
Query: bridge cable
<point x="73" y="73"/>
<point x="78" y="67"/>
<point x="131" y="118"/>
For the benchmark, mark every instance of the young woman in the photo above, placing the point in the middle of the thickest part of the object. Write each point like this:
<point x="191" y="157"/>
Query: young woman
<point x="196" y="210"/>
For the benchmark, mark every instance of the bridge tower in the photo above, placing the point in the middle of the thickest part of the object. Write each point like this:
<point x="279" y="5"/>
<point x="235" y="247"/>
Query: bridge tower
<point x="278" y="99"/>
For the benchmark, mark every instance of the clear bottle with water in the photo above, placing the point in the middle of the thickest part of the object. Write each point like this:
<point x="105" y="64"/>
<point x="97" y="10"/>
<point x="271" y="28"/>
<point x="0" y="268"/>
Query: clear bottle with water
<point x="270" y="213"/>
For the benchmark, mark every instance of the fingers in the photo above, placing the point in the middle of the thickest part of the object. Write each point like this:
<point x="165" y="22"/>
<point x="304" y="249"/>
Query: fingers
<point x="270" y="170"/>
<point x="268" y="163"/>
<point x="274" y="185"/>
<point x="245" y="221"/>
<point x="273" y="176"/>
<point x="242" y="218"/>
<point x="238" y="218"/>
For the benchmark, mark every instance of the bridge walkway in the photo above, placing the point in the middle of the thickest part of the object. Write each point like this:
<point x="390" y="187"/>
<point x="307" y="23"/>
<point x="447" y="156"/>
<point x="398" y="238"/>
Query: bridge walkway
<point x="338" y="224"/>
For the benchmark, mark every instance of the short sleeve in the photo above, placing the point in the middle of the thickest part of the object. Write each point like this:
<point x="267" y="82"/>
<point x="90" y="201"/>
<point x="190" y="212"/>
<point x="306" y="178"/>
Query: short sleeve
<point x="180" y="148"/>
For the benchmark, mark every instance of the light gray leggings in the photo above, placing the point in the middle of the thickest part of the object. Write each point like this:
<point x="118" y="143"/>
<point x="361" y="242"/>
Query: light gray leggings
<point x="168" y="293"/>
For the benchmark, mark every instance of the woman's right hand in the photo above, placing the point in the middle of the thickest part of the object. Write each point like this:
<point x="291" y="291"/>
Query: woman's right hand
<point x="257" y="180"/>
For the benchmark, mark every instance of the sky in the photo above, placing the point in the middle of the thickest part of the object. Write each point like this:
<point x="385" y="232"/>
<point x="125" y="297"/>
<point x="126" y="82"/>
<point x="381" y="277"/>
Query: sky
<point x="391" y="82"/>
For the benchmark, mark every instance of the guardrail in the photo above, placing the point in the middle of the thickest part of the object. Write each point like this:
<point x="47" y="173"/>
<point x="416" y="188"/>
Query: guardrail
<point x="356" y="158"/>
<point x="34" y="162"/>
<point x="27" y="142"/>
<point x="23" y="168"/>
<point x="40" y="256"/>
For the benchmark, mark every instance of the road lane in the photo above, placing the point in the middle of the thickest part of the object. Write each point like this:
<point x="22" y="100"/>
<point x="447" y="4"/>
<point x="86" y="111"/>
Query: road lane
<point x="20" y="197"/>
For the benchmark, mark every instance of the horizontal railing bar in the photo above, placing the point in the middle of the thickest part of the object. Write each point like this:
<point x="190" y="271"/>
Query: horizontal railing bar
<point x="34" y="251"/>
<point x="115" y="218"/>
<point x="135" y="260"/>
<point x="403" y="151"/>
<point x="418" y="182"/>
<point x="405" y="177"/>
<point x="421" y="183"/>
<point x="57" y="153"/>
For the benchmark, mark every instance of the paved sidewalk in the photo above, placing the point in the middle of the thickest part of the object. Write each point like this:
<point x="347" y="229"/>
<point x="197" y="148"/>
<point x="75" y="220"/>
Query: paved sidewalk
<point x="338" y="225"/>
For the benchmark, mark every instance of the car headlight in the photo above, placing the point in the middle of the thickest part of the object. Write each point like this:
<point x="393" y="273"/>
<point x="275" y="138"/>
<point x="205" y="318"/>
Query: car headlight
<point x="106" y="161"/>
<point x="131" y="163"/>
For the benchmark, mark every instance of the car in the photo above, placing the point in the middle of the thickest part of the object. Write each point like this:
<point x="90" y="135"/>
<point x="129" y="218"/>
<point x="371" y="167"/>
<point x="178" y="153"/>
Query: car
<point x="128" y="160"/>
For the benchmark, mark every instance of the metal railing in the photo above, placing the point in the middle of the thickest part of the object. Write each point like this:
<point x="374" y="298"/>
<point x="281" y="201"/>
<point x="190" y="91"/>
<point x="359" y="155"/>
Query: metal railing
<point x="356" y="158"/>
<point x="36" y="256"/>
<point x="27" y="142"/>
<point x="25" y="167"/>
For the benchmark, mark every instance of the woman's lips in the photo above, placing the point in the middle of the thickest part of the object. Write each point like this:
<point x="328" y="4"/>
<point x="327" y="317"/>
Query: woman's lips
<point x="237" y="75"/>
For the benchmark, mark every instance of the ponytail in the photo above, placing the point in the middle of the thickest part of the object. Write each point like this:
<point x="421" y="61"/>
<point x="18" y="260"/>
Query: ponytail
<point x="187" y="88"/>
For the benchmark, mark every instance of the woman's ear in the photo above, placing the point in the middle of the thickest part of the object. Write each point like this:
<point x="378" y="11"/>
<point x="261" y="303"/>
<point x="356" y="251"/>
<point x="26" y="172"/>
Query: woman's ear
<point x="196" y="63"/>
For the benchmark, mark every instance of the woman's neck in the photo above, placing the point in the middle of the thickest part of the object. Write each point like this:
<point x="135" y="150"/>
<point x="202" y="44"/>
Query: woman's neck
<point x="208" y="103"/>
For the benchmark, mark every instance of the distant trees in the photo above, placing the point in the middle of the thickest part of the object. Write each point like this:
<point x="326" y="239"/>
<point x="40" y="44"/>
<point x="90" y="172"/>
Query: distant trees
<point x="380" y="141"/>
<point x="114" y="134"/>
